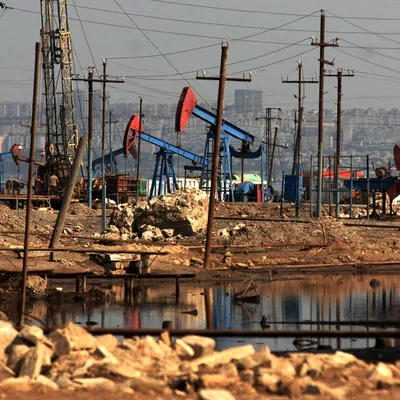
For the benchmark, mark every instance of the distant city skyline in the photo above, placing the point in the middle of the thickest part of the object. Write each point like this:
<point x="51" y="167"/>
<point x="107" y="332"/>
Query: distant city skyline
<point x="176" y="39"/>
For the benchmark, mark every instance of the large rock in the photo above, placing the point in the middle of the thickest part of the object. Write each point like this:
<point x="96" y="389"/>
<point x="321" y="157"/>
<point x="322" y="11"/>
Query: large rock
<point x="96" y="384"/>
<point x="110" y="342"/>
<point x="32" y="334"/>
<point x="7" y="335"/>
<point x="222" y="357"/>
<point x="36" y="285"/>
<point x="71" y="338"/>
<point x="185" y="211"/>
<point x="215" y="394"/>
<point x="122" y="219"/>
<point x="34" y="359"/>
<point x="202" y="346"/>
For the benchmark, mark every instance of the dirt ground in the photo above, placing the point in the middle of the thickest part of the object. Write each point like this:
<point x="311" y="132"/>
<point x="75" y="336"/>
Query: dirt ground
<point x="275" y="245"/>
<point x="84" y="395"/>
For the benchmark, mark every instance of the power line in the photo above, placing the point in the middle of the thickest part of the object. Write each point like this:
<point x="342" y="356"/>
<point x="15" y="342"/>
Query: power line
<point x="368" y="61"/>
<point x="372" y="51"/>
<point x="95" y="66"/>
<point x="202" y="22"/>
<point x="268" y="12"/>
<point x="156" y="47"/>
<point x="229" y="64"/>
<point x="364" y="29"/>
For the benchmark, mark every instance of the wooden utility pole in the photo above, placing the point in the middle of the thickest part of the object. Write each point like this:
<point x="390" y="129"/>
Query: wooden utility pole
<point x="36" y="85"/>
<point x="268" y="142"/>
<point x="217" y="144"/>
<point x="90" y="80"/>
<point x="339" y="76"/>
<point x="110" y="122"/>
<point x="300" y="81"/>
<point x="321" y="44"/>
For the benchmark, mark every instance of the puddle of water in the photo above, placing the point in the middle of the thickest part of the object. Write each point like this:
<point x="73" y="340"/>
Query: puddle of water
<point x="285" y="305"/>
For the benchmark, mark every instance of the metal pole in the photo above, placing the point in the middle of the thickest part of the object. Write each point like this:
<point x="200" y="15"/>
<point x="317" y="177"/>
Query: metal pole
<point x="30" y="180"/>
<point x="297" y="154"/>
<point x="138" y="153"/>
<point x="311" y="186"/>
<point x="272" y="156"/>
<point x="69" y="191"/>
<point x="208" y="308"/>
<point x="90" y="134"/>
<point x="351" y="186"/>
<point x="338" y="138"/>
<point x="217" y="145"/>
<point x="330" y="183"/>
<point x="103" y="137"/>
<point x="110" y="138"/>
<point x="268" y="139"/>
<point x="321" y="114"/>
<point x="282" y="193"/>
<point x="368" y="186"/>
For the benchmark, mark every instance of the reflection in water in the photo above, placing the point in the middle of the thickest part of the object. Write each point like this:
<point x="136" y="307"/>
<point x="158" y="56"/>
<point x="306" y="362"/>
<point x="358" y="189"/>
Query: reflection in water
<point x="293" y="304"/>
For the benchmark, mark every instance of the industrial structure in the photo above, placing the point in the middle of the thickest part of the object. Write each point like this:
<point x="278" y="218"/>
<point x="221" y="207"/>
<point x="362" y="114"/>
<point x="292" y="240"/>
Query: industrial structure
<point x="57" y="62"/>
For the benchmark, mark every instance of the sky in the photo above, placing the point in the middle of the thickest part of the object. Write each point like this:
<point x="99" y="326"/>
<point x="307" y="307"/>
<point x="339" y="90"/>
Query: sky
<point x="165" y="42"/>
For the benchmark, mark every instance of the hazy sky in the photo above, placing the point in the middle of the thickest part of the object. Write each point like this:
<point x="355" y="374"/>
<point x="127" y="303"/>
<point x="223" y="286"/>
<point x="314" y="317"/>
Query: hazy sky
<point x="376" y="84"/>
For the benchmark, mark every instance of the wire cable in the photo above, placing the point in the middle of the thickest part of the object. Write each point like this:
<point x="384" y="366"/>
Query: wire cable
<point x="159" y="50"/>
<point x="270" y="12"/>
<point x="368" y="61"/>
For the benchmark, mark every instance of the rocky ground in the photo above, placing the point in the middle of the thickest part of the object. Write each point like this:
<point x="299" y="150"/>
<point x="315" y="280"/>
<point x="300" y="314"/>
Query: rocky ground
<point x="70" y="359"/>
<point x="176" y="224"/>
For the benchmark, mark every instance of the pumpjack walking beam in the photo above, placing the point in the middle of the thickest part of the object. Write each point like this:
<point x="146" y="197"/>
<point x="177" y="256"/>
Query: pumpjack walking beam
<point x="164" y="169"/>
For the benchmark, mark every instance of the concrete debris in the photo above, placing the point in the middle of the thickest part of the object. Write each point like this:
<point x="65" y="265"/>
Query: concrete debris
<point x="36" y="285"/>
<point x="188" y="367"/>
<point x="215" y="394"/>
<point x="228" y="234"/>
<point x="32" y="334"/>
<point x="122" y="219"/>
<point x="202" y="346"/>
<point x="150" y="233"/>
<point x="7" y="334"/>
<point x="185" y="211"/>
<point x="71" y="338"/>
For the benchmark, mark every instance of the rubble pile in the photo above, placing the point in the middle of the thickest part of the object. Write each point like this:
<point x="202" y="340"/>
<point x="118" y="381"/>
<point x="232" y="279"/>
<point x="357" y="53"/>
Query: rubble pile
<point x="183" y="212"/>
<point x="72" y="359"/>
<point x="332" y="230"/>
<point x="81" y="209"/>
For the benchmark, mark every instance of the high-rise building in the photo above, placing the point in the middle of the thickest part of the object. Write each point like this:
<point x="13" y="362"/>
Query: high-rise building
<point x="247" y="100"/>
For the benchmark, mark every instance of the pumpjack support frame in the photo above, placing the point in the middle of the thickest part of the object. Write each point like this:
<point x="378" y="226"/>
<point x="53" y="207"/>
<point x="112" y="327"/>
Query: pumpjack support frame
<point x="164" y="172"/>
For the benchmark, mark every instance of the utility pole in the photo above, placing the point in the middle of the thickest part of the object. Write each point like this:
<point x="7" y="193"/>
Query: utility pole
<point x="271" y="165"/>
<point x="268" y="143"/>
<point x="138" y="153"/>
<point x="90" y="80"/>
<point x="110" y="122"/>
<point x="36" y="84"/>
<point x="339" y="76"/>
<point x="217" y="144"/>
<point x="321" y="44"/>
<point x="300" y="109"/>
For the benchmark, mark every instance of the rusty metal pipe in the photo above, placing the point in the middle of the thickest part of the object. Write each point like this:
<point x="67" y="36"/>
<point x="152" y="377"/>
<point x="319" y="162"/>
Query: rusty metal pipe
<point x="126" y="332"/>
